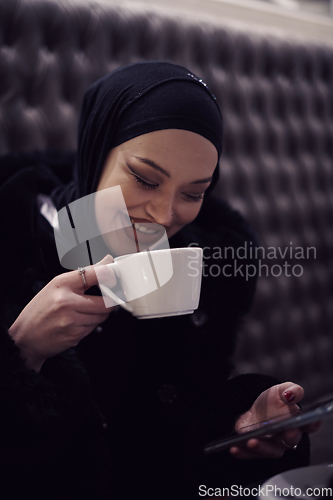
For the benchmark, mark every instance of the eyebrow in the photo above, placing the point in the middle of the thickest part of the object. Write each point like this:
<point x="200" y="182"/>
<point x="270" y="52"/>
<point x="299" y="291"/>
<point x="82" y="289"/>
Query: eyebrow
<point x="152" y="164"/>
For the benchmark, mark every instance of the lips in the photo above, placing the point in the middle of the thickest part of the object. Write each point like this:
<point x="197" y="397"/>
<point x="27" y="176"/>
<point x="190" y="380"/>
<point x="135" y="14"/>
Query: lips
<point x="137" y="220"/>
<point x="145" y="227"/>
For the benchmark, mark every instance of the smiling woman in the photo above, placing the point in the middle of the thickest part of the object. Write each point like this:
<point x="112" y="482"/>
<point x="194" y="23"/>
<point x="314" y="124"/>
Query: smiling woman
<point x="145" y="396"/>
<point x="163" y="176"/>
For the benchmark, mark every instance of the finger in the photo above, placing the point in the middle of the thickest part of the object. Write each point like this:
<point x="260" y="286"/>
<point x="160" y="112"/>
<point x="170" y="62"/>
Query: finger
<point x="290" y="438"/>
<point x="313" y="427"/>
<point x="270" y="448"/>
<point x="290" y="393"/>
<point x="90" y="304"/>
<point x="267" y="448"/>
<point x="105" y="273"/>
<point x="75" y="319"/>
<point x="258" y="449"/>
<point x="242" y="453"/>
<point x="87" y="320"/>
<point x="92" y="276"/>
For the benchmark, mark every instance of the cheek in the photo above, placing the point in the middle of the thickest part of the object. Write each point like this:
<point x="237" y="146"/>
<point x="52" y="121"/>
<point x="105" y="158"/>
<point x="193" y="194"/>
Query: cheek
<point x="188" y="212"/>
<point x="184" y="217"/>
<point x="132" y="196"/>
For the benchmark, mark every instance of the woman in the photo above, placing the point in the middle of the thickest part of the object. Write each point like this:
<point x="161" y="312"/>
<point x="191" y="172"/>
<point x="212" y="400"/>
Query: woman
<point x="132" y="414"/>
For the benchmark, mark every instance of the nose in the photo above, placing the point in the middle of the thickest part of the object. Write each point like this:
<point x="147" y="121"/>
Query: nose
<point x="161" y="211"/>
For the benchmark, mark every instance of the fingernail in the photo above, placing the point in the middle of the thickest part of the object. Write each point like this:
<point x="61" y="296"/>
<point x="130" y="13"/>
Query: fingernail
<point x="108" y="259"/>
<point x="289" y="395"/>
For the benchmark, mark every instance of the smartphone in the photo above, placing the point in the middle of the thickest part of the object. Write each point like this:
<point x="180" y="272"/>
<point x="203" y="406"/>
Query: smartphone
<point x="275" y="425"/>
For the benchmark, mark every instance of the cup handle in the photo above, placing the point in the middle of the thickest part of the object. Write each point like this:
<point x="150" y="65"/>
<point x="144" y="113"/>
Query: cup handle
<point x="109" y="293"/>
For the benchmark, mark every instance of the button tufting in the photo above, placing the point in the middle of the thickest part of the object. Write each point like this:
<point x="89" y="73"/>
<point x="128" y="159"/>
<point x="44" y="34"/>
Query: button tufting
<point x="99" y="329"/>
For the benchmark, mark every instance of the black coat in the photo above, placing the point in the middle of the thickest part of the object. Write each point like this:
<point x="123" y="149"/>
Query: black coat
<point x="130" y="409"/>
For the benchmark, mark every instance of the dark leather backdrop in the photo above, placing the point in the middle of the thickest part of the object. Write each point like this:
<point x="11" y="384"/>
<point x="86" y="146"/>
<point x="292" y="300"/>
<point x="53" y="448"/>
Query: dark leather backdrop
<point x="277" y="169"/>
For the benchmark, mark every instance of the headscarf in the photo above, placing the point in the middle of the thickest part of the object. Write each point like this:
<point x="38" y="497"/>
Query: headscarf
<point x="132" y="101"/>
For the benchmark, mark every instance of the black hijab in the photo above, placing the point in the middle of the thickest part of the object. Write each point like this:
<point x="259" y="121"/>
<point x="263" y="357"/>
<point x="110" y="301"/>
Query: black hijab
<point x="132" y="101"/>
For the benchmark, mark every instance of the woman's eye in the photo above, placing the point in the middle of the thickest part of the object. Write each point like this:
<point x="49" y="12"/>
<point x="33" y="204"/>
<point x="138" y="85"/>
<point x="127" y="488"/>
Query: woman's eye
<point x="144" y="183"/>
<point x="147" y="185"/>
<point x="196" y="199"/>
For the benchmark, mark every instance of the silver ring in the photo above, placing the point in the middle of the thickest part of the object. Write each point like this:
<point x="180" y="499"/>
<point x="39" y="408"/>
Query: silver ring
<point x="82" y="271"/>
<point x="290" y="447"/>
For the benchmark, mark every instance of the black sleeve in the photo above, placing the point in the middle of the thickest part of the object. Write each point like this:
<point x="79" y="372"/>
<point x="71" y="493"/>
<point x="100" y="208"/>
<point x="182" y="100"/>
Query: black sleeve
<point x="39" y="410"/>
<point x="51" y="430"/>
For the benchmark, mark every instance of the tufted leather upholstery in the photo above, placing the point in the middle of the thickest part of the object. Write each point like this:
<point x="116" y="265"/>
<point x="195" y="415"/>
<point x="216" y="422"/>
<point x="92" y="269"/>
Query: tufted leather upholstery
<point x="277" y="100"/>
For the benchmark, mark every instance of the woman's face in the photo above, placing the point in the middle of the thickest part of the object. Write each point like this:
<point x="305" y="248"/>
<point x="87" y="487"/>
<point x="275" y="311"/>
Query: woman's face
<point x="163" y="176"/>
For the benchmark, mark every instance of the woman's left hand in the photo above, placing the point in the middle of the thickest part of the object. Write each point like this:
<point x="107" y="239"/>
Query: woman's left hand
<point x="277" y="400"/>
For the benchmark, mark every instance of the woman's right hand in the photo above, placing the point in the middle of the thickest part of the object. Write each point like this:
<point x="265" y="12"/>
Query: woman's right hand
<point x="60" y="315"/>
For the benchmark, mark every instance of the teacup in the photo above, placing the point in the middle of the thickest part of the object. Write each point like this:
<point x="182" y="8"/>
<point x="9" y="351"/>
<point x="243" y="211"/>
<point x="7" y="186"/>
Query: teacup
<point x="157" y="283"/>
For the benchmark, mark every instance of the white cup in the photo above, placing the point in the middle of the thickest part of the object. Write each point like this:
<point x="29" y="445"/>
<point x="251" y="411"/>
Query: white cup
<point x="157" y="283"/>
